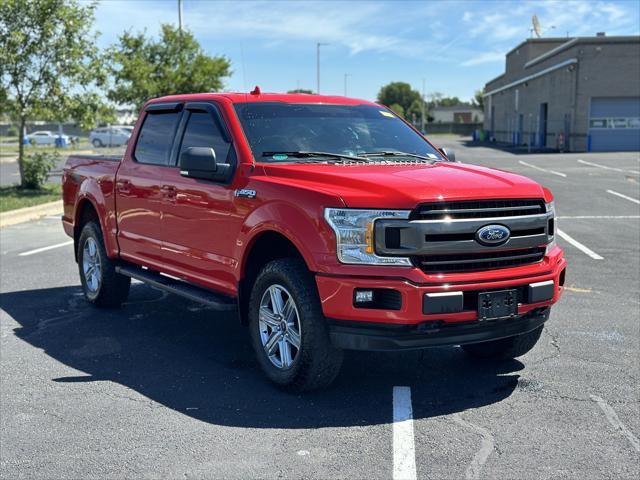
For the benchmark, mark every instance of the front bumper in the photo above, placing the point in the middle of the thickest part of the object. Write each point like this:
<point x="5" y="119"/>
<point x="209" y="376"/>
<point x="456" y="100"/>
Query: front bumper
<point x="350" y="324"/>
<point x="377" y="337"/>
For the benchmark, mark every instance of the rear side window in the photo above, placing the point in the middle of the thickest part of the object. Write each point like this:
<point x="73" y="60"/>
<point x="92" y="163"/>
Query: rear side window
<point x="156" y="137"/>
<point x="203" y="131"/>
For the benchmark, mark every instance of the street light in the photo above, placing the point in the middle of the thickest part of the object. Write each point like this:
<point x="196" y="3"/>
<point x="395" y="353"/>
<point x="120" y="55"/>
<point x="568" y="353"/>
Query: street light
<point x="422" y="105"/>
<point x="346" y="75"/>
<point x="318" y="45"/>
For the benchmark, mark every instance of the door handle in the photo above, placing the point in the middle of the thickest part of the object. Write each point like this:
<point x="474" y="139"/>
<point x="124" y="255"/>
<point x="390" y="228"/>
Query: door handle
<point x="168" y="191"/>
<point x="124" y="186"/>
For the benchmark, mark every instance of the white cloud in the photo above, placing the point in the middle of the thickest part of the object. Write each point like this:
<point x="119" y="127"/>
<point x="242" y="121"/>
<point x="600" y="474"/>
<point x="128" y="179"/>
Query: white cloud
<point x="487" y="57"/>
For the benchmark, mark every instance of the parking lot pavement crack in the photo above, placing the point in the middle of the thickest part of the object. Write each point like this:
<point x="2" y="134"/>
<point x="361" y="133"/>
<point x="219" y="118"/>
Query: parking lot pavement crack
<point x="144" y="401"/>
<point x="487" y="447"/>
<point x="554" y="343"/>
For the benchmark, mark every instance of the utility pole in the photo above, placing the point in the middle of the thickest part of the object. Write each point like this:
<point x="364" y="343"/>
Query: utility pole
<point x="318" y="45"/>
<point x="423" y="109"/>
<point x="346" y="76"/>
<point x="180" y="16"/>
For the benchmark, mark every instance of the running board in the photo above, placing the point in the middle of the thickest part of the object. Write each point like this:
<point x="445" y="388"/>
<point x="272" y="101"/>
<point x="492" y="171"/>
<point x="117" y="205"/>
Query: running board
<point x="216" y="300"/>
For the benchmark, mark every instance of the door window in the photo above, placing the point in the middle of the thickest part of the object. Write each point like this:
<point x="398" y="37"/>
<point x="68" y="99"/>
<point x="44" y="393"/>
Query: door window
<point x="156" y="137"/>
<point x="203" y="131"/>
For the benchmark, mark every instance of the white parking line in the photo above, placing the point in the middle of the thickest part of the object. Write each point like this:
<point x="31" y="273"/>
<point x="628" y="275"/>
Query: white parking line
<point x="616" y="423"/>
<point x="604" y="167"/>
<point x="486" y="447"/>
<point x="617" y="194"/>
<point x="579" y="246"/>
<point x="560" y="174"/>
<point x="44" y="249"/>
<point x="404" y="454"/>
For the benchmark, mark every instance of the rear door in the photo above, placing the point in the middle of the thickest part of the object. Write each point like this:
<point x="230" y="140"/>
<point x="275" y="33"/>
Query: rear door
<point x="139" y="186"/>
<point x="200" y="223"/>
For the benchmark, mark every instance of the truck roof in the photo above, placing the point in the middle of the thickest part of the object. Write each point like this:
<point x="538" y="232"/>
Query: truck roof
<point x="264" y="97"/>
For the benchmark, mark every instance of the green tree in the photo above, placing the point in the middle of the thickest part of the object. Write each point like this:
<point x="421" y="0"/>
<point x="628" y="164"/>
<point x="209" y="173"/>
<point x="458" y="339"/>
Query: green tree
<point x="398" y="93"/>
<point x="397" y="109"/>
<point x="478" y="99"/>
<point x="50" y="66"/>
<point x="144" y="68"/>
<point x="301" y="90"/>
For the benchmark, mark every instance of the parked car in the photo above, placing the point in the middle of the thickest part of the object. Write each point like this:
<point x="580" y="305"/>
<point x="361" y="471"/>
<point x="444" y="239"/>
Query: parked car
<point x="109" y="137"/>
<point x="327" y="223"/>
<point x="126" y="128"/>
<point x="47" y="137"/>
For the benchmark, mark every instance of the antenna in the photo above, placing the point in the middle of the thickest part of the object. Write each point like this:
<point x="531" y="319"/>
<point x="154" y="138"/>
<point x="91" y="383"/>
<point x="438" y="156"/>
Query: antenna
<point x="536" y="26"/>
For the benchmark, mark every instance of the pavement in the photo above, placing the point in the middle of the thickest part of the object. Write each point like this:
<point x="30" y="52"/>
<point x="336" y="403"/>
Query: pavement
<point x="166" y="388"/>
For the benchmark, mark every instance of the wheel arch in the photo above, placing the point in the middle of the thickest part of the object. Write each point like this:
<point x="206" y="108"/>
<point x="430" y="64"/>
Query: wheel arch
<point x="86" y="211"/>
<point x="264" y="247"/>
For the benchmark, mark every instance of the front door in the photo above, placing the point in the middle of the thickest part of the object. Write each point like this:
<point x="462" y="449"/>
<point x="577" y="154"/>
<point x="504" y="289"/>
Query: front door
<point x="199" y="223"/>
<point x="139" y="192"/>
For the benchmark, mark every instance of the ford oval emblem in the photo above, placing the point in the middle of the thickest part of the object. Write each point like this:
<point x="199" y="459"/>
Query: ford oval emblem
<point x="493" y="235"/>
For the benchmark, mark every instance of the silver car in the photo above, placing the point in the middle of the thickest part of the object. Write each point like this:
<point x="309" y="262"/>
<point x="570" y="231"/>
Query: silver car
<point x="109" y="137"/>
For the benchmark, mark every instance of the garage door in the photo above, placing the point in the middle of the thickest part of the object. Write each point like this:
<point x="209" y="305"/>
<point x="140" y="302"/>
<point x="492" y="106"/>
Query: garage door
<point x="614" y="124"/>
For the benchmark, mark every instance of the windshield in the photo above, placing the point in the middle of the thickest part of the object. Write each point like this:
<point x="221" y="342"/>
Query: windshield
<point x="275" y="127"/>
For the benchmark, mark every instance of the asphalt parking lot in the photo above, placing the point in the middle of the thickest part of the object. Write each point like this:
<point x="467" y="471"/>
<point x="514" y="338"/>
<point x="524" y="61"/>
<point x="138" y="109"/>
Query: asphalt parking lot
<point x="164" y="388"/>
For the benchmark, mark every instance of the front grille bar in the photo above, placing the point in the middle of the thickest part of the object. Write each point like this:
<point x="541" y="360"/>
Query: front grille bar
<point x="482" y="260"/>
<point x="478" y="210"/>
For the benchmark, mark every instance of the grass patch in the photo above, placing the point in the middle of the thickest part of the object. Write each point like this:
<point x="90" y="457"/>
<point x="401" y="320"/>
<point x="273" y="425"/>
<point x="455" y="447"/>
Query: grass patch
<point x="12" y="198"/>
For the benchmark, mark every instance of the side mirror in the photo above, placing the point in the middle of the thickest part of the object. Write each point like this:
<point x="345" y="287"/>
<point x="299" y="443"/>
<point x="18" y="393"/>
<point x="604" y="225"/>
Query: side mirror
<point x="200" y="162"/>
<point x="450" y="154"/>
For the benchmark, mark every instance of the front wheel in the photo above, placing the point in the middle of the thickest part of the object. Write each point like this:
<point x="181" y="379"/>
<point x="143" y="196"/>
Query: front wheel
<point x="102" y="285"/>
<point x="505" y="348"/>
<point x="96" y="143"/>
<point x="288" y="330"/>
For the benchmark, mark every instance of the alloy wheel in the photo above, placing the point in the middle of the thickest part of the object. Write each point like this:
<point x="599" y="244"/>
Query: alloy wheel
<point x="91" y="266"/>
<point x="279" y="324"/>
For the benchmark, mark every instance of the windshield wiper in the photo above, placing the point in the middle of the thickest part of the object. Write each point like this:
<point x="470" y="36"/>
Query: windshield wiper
<point x="396" y="154"/>
<point x="307" y="154"/>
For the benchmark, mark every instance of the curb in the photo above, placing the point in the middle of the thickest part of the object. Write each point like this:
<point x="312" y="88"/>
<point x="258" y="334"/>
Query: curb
<point x="22" y="215"/>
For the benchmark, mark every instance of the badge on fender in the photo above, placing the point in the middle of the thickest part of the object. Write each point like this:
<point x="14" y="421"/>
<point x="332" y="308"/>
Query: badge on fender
<point x="243" y="192"/>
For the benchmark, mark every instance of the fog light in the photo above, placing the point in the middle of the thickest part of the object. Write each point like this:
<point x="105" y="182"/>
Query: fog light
<point x="364" y="296"/>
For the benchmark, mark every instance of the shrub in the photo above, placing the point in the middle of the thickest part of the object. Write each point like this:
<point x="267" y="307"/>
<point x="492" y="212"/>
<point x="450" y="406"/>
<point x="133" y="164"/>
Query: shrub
<point x="12" y="131"/>
<point x="37" y="167"/>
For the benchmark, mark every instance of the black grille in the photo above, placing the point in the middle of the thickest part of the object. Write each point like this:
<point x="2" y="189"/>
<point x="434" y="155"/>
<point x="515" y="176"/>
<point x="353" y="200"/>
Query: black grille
<point x="468" y="262"/>
<point x="478" y="209"/>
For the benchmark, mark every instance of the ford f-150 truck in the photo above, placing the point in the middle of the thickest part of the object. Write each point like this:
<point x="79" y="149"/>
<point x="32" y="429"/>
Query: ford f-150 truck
<point x="327" y="223"/>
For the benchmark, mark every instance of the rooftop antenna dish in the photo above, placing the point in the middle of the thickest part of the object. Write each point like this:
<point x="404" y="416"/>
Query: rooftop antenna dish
<point x="536" y="26"/>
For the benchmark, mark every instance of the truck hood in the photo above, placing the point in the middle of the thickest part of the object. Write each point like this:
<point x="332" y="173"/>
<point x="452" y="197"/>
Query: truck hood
<point x="405" y="186"/>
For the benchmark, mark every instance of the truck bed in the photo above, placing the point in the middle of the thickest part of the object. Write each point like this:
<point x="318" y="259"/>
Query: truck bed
<point x="92" y="177"/>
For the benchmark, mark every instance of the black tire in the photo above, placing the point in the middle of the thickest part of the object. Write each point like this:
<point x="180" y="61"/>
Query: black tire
<point x="317" y="362"/>
<point x="112" y="289"/>
<point x="505" y="348"/>
<point x="97" y="143"/>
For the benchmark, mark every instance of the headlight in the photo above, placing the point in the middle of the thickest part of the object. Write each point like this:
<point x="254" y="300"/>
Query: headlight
<point x="553" y="226"/>
<point x="354" y="233"/>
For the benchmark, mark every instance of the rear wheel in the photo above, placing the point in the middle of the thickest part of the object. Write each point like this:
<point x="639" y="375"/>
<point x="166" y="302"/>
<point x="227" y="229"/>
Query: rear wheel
<point x="96" y="143"/>
<point x="505" y="348"/>
<point x="288" y="330"/>
<point x="101" y="284"/>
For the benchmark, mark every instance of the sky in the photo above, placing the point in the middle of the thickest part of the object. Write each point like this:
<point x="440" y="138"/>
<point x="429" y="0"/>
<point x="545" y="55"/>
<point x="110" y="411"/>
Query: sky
<point x="454" y="46"/>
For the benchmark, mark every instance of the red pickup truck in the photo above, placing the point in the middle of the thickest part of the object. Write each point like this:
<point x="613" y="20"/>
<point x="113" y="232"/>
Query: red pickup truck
<point x="327" y="223"/>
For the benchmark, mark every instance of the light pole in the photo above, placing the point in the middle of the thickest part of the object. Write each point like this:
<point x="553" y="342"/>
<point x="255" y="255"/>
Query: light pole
<point x="346" y="76"/>
<point x="180" y="15"/>
<point x="422" y="105"/>
<point x="318" y="45"/>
